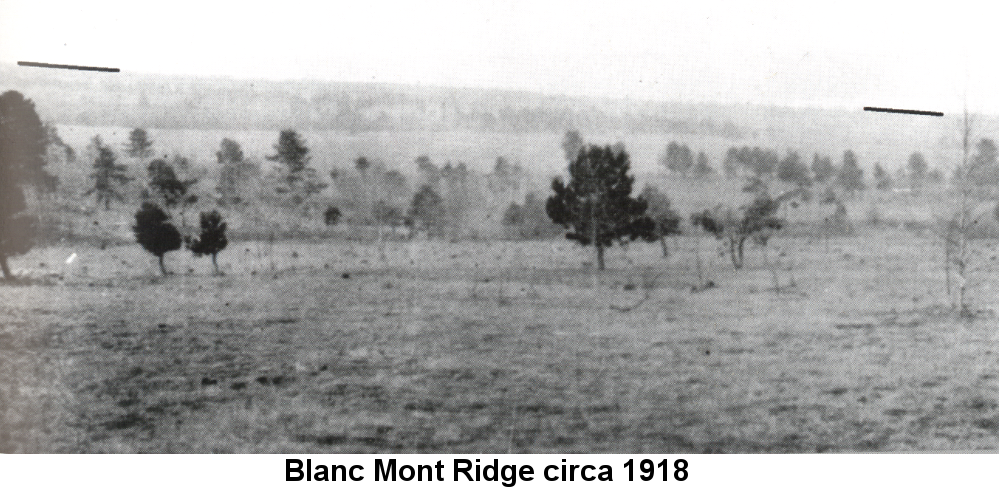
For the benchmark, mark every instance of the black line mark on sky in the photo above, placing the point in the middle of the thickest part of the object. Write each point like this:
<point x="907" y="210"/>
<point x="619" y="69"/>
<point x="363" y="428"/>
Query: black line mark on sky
<point x="903" y="111"/>
<point x="67" y="67"/>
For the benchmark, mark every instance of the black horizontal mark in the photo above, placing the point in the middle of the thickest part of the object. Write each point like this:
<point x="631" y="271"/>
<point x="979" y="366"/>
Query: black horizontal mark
<point x="67" y="67"/>
<point x="903" y="111"/>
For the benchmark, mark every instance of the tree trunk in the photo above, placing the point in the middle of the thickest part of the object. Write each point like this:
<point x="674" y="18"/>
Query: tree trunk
<point x="5" y="268"/>
<point x="742" y="242"/>
<point x="215" y="263"/>
<point x="736" y="257"/>
<point x="600" y="257"/>
<point x="662" y="241"/>
<point x="162" y="266"/>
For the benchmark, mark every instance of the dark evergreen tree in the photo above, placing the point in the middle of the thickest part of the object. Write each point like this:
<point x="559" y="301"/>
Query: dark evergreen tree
<point x="362" y="164"/>
<point x="108" y="175"/>
<point x="427" y="171"/>
<point x="211" y="239"/>
<point x="427" y="211"/>
<point x="23" y="138"/>
<point x="822" y="168"/>
<point x="851" y="176"/>
<point x="917" y="168"/>
<point x="759" y="162"/>
<point x="139" y="145"/>
<point x="155" y="233"/>
<point x="456" y="192"/>
<point x="678" y="159"/>
<point x="291" y="152"/>
<point x="385" y="213"/>
<point x="596" y="203"/>
<point x="882" y="180"/>
<point x="23" y="141"/>
<point x="164" y="184"/>
<point x="331" y="216"/>
<point x="394" y="184"/>
<point x="513" y="216"/>
<point x="792" y="170"/>
<point x="529" y="221"/>
<point x="984" y="164"/>
<point x="301" y="180"/>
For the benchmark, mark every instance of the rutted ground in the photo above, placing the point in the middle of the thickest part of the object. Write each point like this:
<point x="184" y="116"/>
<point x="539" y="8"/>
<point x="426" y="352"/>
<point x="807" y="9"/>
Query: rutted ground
<point x="493" y="348"/>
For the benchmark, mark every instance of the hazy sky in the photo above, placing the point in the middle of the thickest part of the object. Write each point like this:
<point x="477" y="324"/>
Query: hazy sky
<point x="897" y="54"/>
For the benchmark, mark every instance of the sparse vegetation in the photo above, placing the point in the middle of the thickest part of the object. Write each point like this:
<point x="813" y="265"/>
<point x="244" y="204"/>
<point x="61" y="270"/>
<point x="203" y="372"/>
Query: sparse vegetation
<point x="757" y="221"/>
<point x="476" y="330"/>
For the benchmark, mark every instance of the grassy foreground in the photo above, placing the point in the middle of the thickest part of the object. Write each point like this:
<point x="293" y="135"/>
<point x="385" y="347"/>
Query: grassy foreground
<point x="495" y="347"/>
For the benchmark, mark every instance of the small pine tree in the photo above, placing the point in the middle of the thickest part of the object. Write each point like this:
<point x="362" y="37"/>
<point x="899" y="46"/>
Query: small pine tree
<point x="918" y="169"/>
<point x="293" y="154"/>
<point x="299" y="180"/>
<point x="108" y="175"/>
<point x="163" y="182"/>
<point x="155" y="233"/>
<point x="139" y="145"/>
<point x="882" y="179"/>
<point x="792" y="170"/>
<point x="229" y="152"/>
<point x="427" y="211"/>
<point x="211" y="239"/>
<point x="822" y="168"/>
<point x="851" y="176"/>
<point x="703" y="167"/>
<point x="678" y="158"/>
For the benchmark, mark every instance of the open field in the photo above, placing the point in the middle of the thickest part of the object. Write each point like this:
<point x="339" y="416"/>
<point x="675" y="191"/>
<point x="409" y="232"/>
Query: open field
<point x="496" y="347"/>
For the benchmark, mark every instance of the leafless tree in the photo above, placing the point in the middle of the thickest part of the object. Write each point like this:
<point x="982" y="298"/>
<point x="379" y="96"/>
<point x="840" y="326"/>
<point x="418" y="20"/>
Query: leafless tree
<point x="958" y="227"/>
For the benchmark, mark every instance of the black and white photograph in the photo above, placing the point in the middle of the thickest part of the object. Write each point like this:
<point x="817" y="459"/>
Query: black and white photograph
<point x="485" y="226"/>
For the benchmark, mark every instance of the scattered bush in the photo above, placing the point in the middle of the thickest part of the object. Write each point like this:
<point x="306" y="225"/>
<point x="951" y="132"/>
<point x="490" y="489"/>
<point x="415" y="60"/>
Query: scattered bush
<point x="331" y="216"/>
